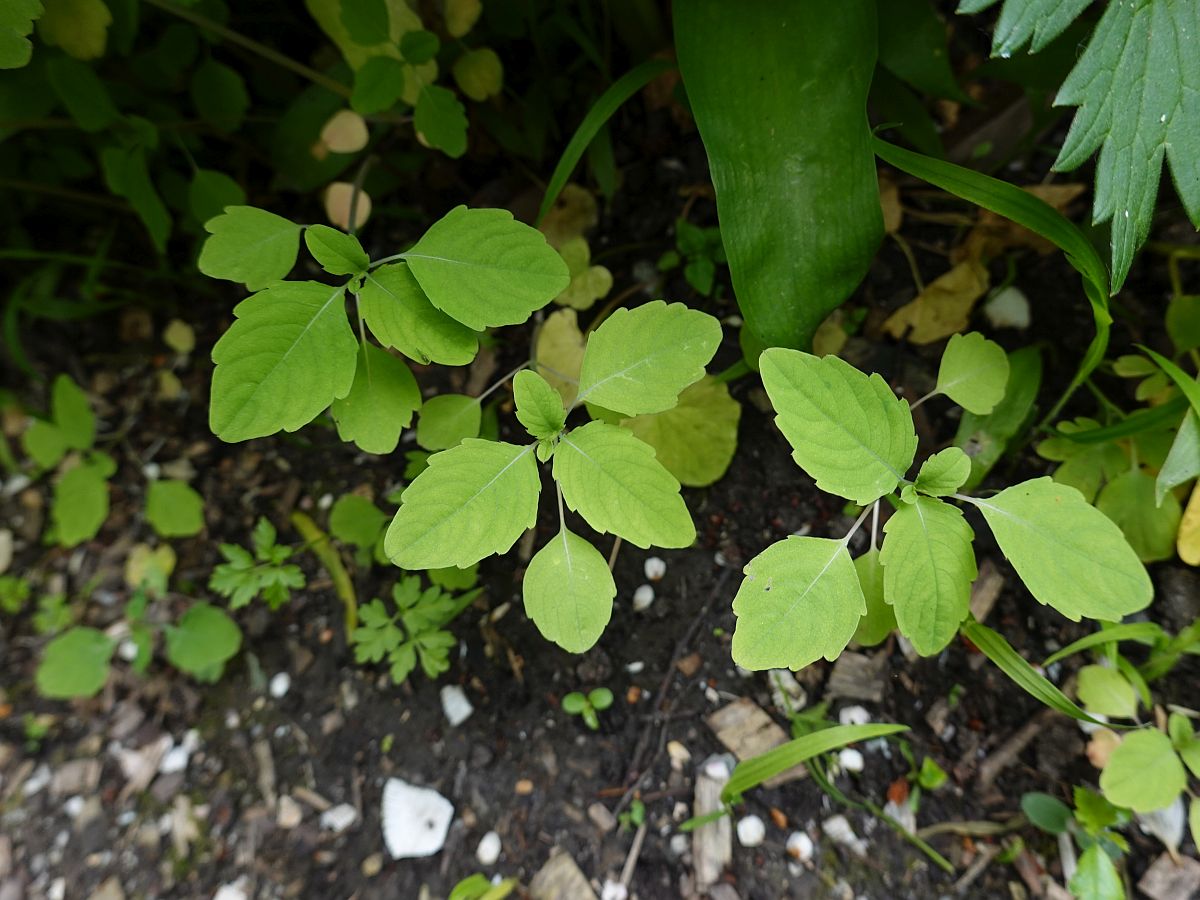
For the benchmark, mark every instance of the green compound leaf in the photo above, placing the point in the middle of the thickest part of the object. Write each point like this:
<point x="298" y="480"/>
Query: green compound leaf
<point x="174" y="509"/>
<point x="485" y="269"/>
<point x="204" y="639"/>
<point x="75" y="664"/>
<point x="613" y="480"/>
<point x="1143" y="773"/>
<point x="1069" y="554"/>
<point x="928" y="568"/>
<point x="880" y="618"/>
<point x="638" y="360"/>
<point x="1129" y="500"/>
<point x="1096" y="877"/>
<point x="1183" y="460"/>
<point x="380" y="404"/>
<point x="447" y="420"/>
<point x="287" y="357"/>
<point x="72" y="414"/>
<point x="378" y="85"/>
<point x="973" y="373"/>
<point x="472" y="501"/>
<point x="1021" y="22"/>
<point x="944" y="472"/>
<point x="80" y="503"/>
<point x="1137" y="86"/>
<point x="1106" y="691"/>
<point x="694" y="440"/>
<point x="849" y="431"/>
<point x="16" y="22"/>
<point x="337" y="252"/>
<point x="401" y="316"/>
<point x="569" y="591"/>
<point x="800" y="601"/>
<point x="539" y="406"/>
<point x="441" y="120"/>
<point x="249" y="245"/>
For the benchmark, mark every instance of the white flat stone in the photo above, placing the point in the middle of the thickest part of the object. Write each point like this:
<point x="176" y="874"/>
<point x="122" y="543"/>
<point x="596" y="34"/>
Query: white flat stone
<point x="415" y="819"/>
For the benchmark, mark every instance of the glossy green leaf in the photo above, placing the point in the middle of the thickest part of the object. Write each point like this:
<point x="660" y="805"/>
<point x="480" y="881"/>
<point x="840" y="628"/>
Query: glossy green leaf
<point x="219" y="95"/>
<point x="912" y="45"/>
<point x="249" y="245"/>
<point x="441" y="120"/>
<point x="928" y="568"/>
<point x="378" y="85"/>
<point x="1183" y="461"/>
<point x="203" y="638"/>
<point x="1023" y="675"/>
<point x="1129" y="500"/>
<point x="973" y="373"/>
<point x="380" y="404"/>
<point x="613" y="480"/>
<point x="484" y="269"/>
<point x="568" y="591"/>
<point x="1143" y="772"/>
<point x="694" y="440"/>
<point x="16" y="22"/>
<point x="797" y="194"/>
<point x="750" y="773"/>
<point x="539" y="406"/>
<point x="174" y="509"/>
<point x="944" y="472"/>
<point x="1021" y="22"/>
<point x="210" y="192"/>
<point x="356" y="520"/>
<point x="848" y="430"/>
<point x="473" y="500"/>
<point x="1069" y="554"/>
<point x="447" y="420"/>
<point x="1105" y="691"/>
<point x="639" y="359"/>
<point x="81" y="91"/>
<point x="401" y="316"/>
<point x="880" y="619"/>
<point x="985" y="438"/>
<point x="800" y="601"/>
<point x="75" y="664"/>
<point x="80" y="504"/>
<point x="337" y="252"/>
<point x="287" y="357"/>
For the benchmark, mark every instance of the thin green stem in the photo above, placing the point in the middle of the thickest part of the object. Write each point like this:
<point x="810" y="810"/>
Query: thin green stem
<point x="262" y="50"/>
<point x="502" y="380"/>
<point x="858" y="522"/>
<point x="739" y="369"/>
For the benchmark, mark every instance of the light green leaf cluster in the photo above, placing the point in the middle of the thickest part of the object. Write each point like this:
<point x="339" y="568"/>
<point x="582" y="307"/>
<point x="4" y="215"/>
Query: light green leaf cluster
<point x="292" y="353"/>
<point x="477" y="497"/>
<point x="71" y="426"/>
<point x="174" y="509"/>
<point x="803" y="599"/>
<point x="266" y="572"/>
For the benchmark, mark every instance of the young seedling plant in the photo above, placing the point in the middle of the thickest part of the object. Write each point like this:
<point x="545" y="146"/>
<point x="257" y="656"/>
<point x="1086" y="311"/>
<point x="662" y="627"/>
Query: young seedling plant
<point x="477" y="498"/>
<point x="804" y="597"/>
<point x="586" y="706"/>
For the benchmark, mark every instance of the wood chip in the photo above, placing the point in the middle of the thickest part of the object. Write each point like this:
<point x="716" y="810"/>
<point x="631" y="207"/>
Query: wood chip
<point x="747" y="731"/>
<point x="712" y="843"/>
<point x="986" y="590"/>
<point x="689" y="665"/>
<point x="560" y="879"/>
<point x="857" y="676"/>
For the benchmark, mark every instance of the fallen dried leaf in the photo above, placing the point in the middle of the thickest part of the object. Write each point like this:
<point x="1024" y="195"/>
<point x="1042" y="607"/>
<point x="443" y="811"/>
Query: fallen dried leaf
<point x="943" y="308"/>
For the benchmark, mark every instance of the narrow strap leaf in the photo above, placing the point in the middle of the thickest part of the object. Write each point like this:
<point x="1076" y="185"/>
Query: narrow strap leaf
<point x="1142" y="632"/>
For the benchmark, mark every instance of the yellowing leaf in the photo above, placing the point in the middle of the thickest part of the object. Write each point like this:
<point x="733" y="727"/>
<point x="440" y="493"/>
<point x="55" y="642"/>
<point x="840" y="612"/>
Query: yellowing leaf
<point x="479" y="73"/>
<point x="345" y="132"/>
<point x="695" y="440"/>
<point x="179" y="336"/>
<point x="889" y="201"/>
<point x="461" y="16"/>
<point x="830" y="336"/>
<point x="337" y="205"/>
<point x="558" y="352"/>
<point x="573" y="213"/>
<point x="150" y="567"/>
<point x="588" y="283"/>
<point x="943" y="308"/>
<point x="993" y="234"/>
<point x="79" y="27"/>
<point x="1187" y="539"/>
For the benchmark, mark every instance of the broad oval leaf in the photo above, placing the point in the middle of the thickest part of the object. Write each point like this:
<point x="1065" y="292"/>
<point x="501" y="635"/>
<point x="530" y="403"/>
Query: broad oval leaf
<point x="928" y="568"/>
<point x="1069" y="554"/>
<point x="337" y="252"/>
<point x="944" y="472"/>
<point x="973" y="372"/>
<point x="1129" y="500"/>
<point x="569" y="591"/>
<point x="638" y="360"/>
<point x="447" y="420"/>
<point x="287" y="357"/>
<point x="1143" y="773"/>
<point x="72" y="413"/>
<point x="800" y="601"/>
<point x="174" y="508"/>
<point x="848" y="430"/>
<point x="441" y="120"/>
<point x="249" y="245"/>
<point x="75" y="664"/>
<point x="539" y="406"/>
<point x="80" y="504"/>
<point x="613" y="480"/>
<point x="1105" y="691"/>
<point x="204" y="638"/>
<point x="694" y="440"/>
<point x="472" y="501"/>
<point x="401" y="316"/>
<point x="380" y="404"/>
<point x="485" y="269"/>
<point x="880" y="619"/>
<point x="1096" y="877"/>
